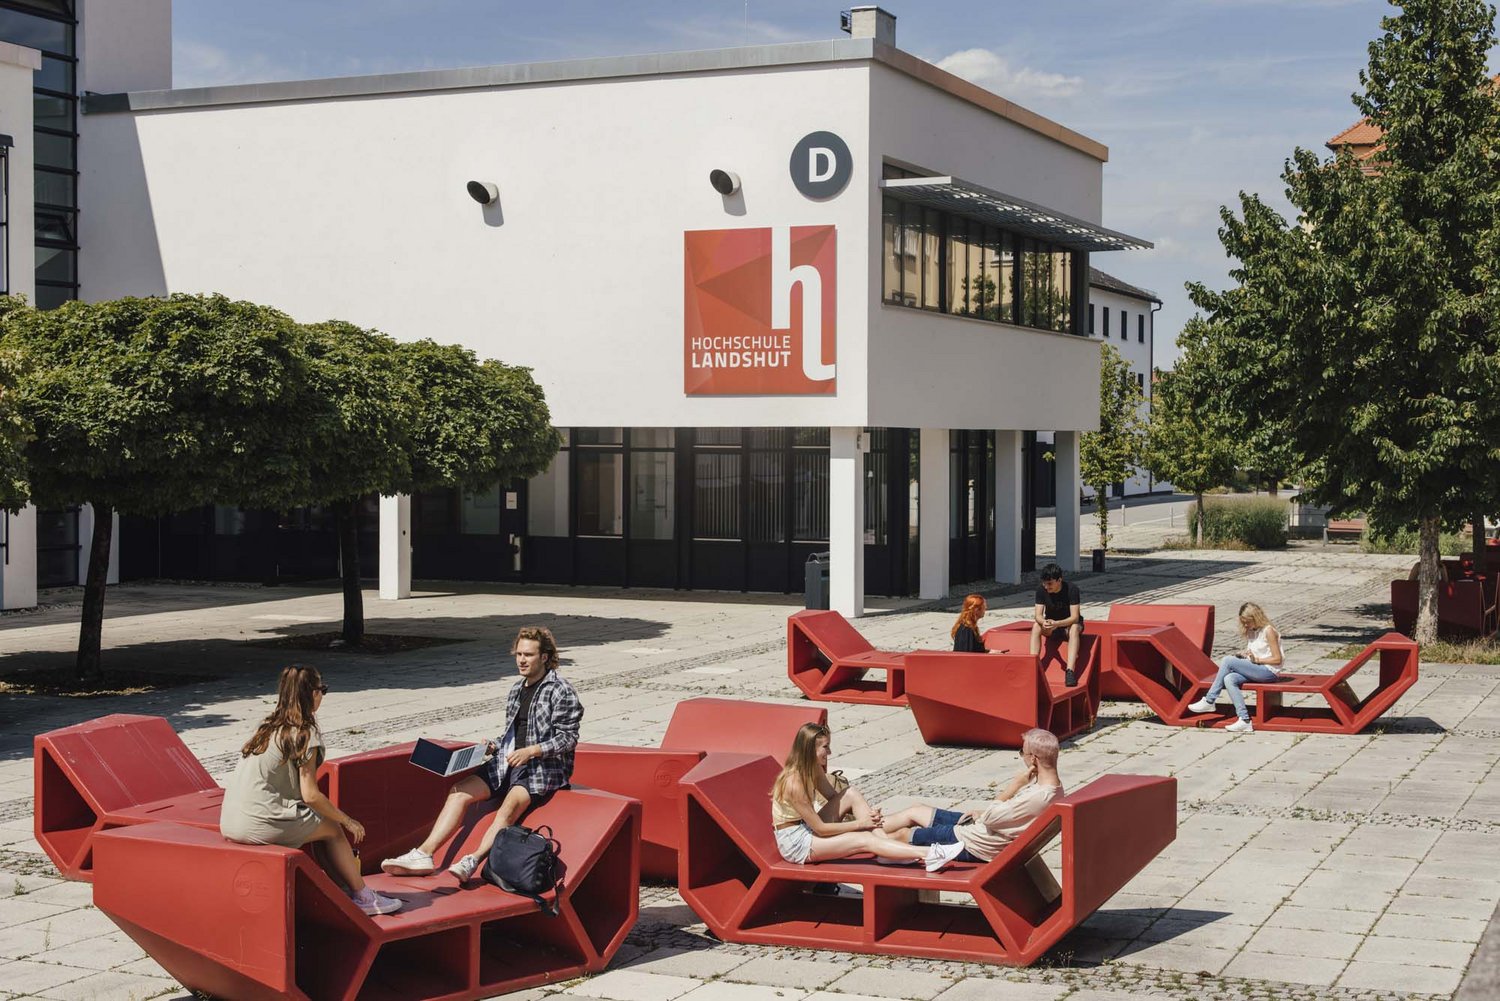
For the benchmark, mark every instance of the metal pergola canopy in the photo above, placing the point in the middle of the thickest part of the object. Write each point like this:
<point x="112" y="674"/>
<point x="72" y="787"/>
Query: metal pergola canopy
<point x="963" y="198"/>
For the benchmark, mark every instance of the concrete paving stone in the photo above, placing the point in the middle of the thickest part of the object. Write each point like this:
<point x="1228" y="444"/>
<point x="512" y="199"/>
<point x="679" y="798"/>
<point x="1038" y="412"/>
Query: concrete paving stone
<point x="808" y="974"/>
<point x="147" y="967"/>
<point x="1347" y="899"/>
<point x="1238" y="912"/>
<point x="62" y="893"/>
<point x="1441" y="929"/>
<point x="106" y="952"/>
<point x="1175" y="956"/>
<point x="632" y="985"/>
<point x="721" y="991"/>
<point x="1415" y="952"/>
<point x="995" y="989"/>
<point x="1322" y="919"/>
<point x="18" y="885"/>
<point x="700" y="964"/>
<point x="108" y="987"/>
<point x="25" y="977"/>
<point x="1261" y="966"/>
<point x="891" y="983"/>
<point x="1367" y="976"/>
<point x="1443" y="886"/>
<point x="20" y="911"/>
<point x="1212" y="933"/>
<point x="1089" y="994"/>
<point x="1305" y="942"/>
<point x="1439" y="907"/>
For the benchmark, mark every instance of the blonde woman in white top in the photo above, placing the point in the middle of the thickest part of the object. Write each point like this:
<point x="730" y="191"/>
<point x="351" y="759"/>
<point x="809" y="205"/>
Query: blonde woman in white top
<point x="1255" y="663"/>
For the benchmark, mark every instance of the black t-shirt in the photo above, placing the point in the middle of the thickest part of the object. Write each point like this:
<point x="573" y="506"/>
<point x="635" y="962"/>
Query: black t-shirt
<point x="967" y="640"/>
<point x="523" y="714"/>
<point x="1060" y="605"/>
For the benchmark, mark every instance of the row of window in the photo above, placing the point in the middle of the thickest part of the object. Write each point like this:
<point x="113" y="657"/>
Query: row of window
<point x="952" y="264"/>
<point x="1140" y="324"/>
<point x="50" y="26"/>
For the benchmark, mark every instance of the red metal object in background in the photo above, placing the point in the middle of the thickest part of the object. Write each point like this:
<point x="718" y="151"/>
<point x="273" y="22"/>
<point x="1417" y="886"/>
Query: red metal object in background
<point x="262" y="922"/>
<point x="830" y="661"/>
<point x="734" y="878"/>
<point x="113" y="772"/>
<point x="651" y="774"/>
<point x="992" y="699"/>
<point x="1466" y="607"/>
<point x="1168" y="673"/>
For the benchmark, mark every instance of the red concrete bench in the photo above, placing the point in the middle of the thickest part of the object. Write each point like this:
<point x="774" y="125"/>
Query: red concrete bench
<point x="736" y="881"/>
<point x="992" y="699"/>
<point x="262" y="922"/>
<point x="1466" y="607"/>
<point x="829" y="660"/>
<point x="1195" y="621"/>
<point x="1168" y="673"/>
<point x="113" y="772"/>
<point x="650" y="774"/>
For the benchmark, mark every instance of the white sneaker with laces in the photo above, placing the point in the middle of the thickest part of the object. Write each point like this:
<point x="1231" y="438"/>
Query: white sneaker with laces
<point x="1240" y="726"/>
<point x="1202" y="706"/>
<point x="939" y="856"/>
<point x="414" y="863"/>
<point x="373" y="903"/>
<point x="464" y="867"/>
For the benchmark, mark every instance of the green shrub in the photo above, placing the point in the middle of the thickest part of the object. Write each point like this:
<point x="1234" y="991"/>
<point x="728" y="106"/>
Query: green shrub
<point x="1404" y="541"/>
<point x="1252" y="524"/>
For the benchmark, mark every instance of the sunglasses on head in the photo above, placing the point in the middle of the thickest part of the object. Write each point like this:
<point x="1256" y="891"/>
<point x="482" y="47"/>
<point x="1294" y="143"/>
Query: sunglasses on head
<point x="321" y="689"/>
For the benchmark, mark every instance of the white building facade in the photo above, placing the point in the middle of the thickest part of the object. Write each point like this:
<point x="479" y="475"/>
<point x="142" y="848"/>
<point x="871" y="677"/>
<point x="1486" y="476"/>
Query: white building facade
<point x="1122" y="315"/>
<point x="777" y="296"/>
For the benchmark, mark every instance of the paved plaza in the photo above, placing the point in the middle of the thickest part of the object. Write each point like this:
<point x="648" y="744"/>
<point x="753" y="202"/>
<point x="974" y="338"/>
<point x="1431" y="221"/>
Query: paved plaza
<point x="1305" y="866"/>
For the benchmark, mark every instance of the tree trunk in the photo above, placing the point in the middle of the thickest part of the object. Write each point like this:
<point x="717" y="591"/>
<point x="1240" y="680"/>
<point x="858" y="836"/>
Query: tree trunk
<point x="1102" y="500"/>
<point x="1198" y="522"/>
<point x="1274" y="486"/>
<point x="1427" y="580"/>
<point x="1478" y="541"/>
<point x="91" y="628"/>
<point x="346" y="517"/>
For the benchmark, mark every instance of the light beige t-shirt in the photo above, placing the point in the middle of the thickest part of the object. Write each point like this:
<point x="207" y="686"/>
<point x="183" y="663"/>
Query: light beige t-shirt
<point x="998" y="824"/>
<point x="263" y="799"/>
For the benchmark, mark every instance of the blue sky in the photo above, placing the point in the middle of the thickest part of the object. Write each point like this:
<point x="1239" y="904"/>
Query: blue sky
<point x="1196" y="99"/>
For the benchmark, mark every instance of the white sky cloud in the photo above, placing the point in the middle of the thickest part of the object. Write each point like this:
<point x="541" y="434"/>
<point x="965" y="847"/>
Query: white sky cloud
<point x="994" y="72"/>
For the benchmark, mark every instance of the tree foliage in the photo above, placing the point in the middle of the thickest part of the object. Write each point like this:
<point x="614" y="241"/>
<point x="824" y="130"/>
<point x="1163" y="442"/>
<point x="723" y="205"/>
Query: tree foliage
<point x="1110" y="455"/>
<point x="1189" y="441"/>
<point x="1376" y="310"/>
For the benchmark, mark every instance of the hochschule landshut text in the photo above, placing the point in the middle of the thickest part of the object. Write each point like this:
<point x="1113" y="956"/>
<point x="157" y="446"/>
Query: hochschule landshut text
<point x="751" y="351"/>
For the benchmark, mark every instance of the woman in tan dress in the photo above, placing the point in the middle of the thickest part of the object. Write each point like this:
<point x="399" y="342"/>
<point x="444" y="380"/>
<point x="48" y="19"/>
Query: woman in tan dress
<point x="273" y="796"/>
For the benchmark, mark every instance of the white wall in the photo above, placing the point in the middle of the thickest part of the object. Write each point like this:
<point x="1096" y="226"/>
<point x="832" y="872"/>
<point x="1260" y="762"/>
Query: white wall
<point x="356" y="209"/>
<point x="17" y="66"/>
<point x="1137" y="353"/>
<point x="124" y="45"/>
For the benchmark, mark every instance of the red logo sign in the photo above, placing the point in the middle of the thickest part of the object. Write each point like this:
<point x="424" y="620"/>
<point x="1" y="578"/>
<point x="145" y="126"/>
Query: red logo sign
<point x="759" y="312"/>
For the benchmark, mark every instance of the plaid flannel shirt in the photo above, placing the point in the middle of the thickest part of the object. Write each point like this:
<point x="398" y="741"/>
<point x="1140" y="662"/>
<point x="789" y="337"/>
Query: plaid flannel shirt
<point x="556" y="714"/>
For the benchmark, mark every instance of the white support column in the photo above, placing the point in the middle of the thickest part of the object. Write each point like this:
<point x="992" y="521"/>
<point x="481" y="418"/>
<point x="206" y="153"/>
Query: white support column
<point x="18" y="589"/>
<point x="846" y="520"/>
<point x="1069" y="509"/>
<point x="86" y="544"/>
<point x="395" y="547"/>
<point x="1008" y="513"/>
<point x="934" y="507"/>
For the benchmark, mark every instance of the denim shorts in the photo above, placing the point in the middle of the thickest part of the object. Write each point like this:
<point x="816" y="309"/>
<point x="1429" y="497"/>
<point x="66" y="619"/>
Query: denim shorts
<point x="940" y="832"/>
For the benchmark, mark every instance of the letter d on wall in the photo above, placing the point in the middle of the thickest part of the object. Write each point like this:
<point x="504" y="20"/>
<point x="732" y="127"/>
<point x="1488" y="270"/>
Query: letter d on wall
<point x="821" y="165"/>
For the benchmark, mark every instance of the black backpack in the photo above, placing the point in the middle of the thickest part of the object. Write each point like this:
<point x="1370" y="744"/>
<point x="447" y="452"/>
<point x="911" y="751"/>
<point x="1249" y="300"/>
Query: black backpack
<point x="526" y="862"/>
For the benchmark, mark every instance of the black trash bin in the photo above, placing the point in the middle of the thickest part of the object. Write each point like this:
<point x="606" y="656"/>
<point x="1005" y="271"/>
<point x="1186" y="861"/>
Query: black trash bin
<point x="815" y="580"/>
<point x="1098" y="561"/>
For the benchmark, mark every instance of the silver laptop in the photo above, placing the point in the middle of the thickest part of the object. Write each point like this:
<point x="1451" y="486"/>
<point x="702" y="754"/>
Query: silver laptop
<point x="439" y="760"/>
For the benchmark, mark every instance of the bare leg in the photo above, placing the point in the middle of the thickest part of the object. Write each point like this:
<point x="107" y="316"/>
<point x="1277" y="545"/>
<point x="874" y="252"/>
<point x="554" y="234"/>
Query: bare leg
<point x="850" y="800"/>
<point x="339" y="856"/>
<point x="843" y="845"/>
<point x="471" y="790"/>
<point x="897" y="824"/>
<point x="1036" y="638"/>
<point x="516" y="800"/>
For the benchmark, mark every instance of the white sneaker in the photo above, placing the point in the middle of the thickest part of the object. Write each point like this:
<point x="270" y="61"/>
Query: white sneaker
<point x="1240" y="726"/>
<point x="373" y="903"/>
<point x="464" y="867"/>
<point x="1203" y="706"/>
<point x="939" y="856"/>
<point x="414" y="863"/>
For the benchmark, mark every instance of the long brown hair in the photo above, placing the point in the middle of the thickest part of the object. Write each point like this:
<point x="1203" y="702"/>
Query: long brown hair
<point x="802" y="762"/>
<point x="292" y="722"/>
<point x="968" y="616"/>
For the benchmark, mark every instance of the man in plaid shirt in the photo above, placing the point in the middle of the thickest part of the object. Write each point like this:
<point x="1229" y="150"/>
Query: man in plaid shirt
<point x="532" y="758"/>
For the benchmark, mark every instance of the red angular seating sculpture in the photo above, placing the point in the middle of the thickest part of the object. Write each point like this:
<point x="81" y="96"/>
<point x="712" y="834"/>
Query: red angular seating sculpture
<point x="992" y="699"/>
<point x="829" y="660"/>
<point x="113" y="772"/>
<point x="736" y="881"/>
<point x="1465" y="607"/>
<point x="263" y="922"/>
<point x="1194" y="621"/>
<point x="1168" y="673"/>
<point x="650" y="774"/>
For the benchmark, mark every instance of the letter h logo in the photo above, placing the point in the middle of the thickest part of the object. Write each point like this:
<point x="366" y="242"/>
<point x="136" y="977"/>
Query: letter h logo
<point x="759" y="312"/>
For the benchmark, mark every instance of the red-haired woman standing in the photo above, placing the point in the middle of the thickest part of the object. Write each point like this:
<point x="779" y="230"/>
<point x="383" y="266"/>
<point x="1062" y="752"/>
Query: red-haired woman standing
<point x="965" y="632"/>
<point x="273" y="796"/>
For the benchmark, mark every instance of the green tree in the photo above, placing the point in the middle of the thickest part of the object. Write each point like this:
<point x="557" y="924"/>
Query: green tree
<point x="1187" y="441"/>
<point x="1109" y="455"/>
<point x="1378" y="307"/>
<point x="149" y="406"/>
<point x="15" y="431"/>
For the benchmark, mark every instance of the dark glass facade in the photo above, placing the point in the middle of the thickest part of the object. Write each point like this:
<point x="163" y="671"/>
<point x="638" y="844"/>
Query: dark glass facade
<point x="51" y="26"/>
